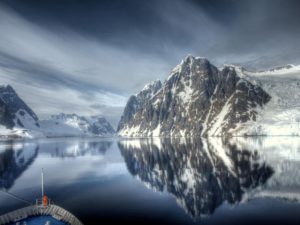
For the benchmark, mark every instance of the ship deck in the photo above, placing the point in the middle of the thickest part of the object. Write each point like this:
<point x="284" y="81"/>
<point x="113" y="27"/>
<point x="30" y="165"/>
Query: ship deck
<point x="52" y="210"/>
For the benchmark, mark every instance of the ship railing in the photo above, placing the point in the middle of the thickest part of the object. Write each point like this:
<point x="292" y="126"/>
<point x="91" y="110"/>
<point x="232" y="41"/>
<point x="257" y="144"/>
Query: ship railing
<point x="39" y="203"/>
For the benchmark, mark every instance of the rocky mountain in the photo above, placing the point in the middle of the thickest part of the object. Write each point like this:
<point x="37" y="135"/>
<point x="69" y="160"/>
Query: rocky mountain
<point x="197" y="99"/>
<point x="14" y="112"/>
<point x="74" y="125"/>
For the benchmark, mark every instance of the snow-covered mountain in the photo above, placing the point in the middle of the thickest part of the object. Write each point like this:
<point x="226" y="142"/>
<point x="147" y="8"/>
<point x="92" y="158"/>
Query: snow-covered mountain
<point x="17" y="120"/>
<point x="196" y="99"/>
<point x="281" y="115"/>
<point x="74" y="125"/>
<point x="14" y="112"/>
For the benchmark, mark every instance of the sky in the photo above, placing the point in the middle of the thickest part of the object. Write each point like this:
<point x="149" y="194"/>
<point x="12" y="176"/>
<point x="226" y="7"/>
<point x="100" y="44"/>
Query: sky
<point x="88" y="57"/>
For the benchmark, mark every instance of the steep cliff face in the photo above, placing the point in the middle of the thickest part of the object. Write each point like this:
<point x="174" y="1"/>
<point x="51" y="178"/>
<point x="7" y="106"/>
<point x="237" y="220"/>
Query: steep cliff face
<point x="14" y="112"/>
<point x="136" y="103"/>
<point x="196" y="99"/>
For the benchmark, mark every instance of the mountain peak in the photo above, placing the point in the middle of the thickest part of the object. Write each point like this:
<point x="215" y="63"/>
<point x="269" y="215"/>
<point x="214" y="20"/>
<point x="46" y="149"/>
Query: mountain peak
<point x="152" y="85"/>
<point x="191" y="58"/>
<point x="190" y="66"/>
<point x="7" y="88"/>
<point x="149" y="90"/>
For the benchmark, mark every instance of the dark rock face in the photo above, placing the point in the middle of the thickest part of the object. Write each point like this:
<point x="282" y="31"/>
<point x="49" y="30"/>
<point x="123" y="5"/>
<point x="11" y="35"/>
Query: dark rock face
<point x="200" y="177"/>
<point x="137" y="102"/>
<point x="197" y="99"/>
<point x="14" y="111"/>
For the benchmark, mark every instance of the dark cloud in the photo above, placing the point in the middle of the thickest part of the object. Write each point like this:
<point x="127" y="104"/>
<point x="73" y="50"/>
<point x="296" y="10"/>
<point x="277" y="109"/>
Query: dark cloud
<point x="228" y="25"/>
<point x="262" y="28"/>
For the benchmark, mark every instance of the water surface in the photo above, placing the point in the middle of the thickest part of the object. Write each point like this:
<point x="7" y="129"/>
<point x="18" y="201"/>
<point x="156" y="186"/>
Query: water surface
<point x="158" y="181"/>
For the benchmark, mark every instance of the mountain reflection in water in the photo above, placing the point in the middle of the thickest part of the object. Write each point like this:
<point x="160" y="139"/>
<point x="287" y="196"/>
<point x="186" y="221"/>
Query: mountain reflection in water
<point x="15" y="158"/>
<point x="151" y="181"/>
<point x="200" y="173"/>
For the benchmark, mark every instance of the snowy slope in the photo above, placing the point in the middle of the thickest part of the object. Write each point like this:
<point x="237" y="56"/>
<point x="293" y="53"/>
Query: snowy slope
<point x="61" y="126"/>
<point x="281" y="115"/>
<point x="74" y="125"/>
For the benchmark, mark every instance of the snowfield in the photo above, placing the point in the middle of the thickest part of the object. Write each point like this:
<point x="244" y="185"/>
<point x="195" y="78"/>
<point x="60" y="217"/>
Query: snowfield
<point x="281" y="115"/>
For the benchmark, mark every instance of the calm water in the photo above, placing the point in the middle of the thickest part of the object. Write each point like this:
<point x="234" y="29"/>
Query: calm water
<point x="152" y="181"/>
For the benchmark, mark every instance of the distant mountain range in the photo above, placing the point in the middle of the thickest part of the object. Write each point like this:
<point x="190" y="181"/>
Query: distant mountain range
<point x="18" y="120"/>
<point x="74" y="125"/>
<point x="196" y="99"/>
<point x="199" y="99"/>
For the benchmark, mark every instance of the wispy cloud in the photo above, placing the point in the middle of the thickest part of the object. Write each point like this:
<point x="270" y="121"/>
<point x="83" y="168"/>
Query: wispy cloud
<point x="63" y="71"/>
